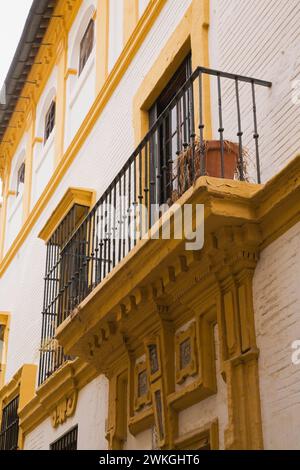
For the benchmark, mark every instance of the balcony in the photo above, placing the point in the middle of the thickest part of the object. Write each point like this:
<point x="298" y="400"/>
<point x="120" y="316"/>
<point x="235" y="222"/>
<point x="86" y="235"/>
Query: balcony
<point x="171" y="158"/>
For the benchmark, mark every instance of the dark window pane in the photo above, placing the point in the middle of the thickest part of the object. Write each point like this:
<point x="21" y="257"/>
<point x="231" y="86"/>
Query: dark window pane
<point x="172" y="135"/>
<point x="86" y="45"/>
<point x="65" y="277"/>
<point x="9" y="433"/>
<point x="67" y="442"/>
<point x="49" y="121"/>
<point x="21" y="176"/>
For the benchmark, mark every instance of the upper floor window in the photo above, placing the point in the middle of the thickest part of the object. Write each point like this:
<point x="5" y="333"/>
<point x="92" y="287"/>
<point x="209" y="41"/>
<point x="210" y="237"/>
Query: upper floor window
<point x="4" y="322"/>
<point x="65" y="256"/>
<point x="2" y="350"/>
<point x="20" y="177"/>
<point x="67" y="442"/>
<point x="86" y="45"/>
<point x="49" y="121"/>
<point x="9" y="433"/>
<point x="173" y="133"/>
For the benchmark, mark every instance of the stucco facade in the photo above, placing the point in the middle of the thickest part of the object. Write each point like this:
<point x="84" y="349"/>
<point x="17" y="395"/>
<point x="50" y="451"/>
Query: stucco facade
<point x="247" y="278"/>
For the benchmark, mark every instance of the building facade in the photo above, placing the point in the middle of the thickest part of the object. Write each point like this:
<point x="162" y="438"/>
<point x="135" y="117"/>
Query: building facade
<point x="110" y="338"/>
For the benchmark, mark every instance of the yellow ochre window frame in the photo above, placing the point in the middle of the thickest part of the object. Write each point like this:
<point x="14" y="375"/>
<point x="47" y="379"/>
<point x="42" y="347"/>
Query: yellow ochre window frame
<point x="4" y="332"/>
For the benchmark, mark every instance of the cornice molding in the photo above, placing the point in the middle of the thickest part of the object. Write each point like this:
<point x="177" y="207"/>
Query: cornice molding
<point x="136" y="39"/>
<point x="57" y="397"/>
<point x="80" y="196"/>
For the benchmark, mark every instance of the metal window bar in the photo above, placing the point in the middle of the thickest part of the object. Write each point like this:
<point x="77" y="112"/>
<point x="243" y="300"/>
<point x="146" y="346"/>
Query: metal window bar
<point x="9" y="433"/>
<point x="67" y="442"/>
<point x="177" y="145"/>
<point x="64" y="277"/>
<point x="49" y="121"/>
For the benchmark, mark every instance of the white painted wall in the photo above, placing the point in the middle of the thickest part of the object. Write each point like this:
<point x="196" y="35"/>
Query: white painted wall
<point x="116" y="31"/>
<point x="90" y="415"/>
<point x="142" y="6"/>
<point x="43" y="152"/>
<point x="14" y="215"/>
<point x="257" y="38"/>
<point x="81" y="89"/>
<point x="260" y="39"/>
<point x="277" y="307"/>
<point x="214" y="407"/>
<point x="106" y="149"/>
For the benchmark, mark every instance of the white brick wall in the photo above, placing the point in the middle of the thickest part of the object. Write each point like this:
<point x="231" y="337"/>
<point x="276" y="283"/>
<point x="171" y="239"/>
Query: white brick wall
<point x="260" y="38"/>
<point x="277" y="315"/>
<point x="90" y="415"/>
<point x="105" y="151"/>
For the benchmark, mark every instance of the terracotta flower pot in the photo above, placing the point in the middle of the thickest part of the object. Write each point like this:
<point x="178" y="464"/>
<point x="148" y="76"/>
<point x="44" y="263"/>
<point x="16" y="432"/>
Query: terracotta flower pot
<point x="213" y="158"/>
<point x="189" y="164"/>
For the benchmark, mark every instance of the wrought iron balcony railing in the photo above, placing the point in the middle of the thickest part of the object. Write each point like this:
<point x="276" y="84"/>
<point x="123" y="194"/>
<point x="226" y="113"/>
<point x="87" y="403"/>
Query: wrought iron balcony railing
<point x="173" y="154"/>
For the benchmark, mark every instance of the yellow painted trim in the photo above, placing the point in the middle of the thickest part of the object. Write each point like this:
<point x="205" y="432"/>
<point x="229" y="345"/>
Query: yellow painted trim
<point x="4" y="320"/>
<point x="145" y="24"/>
<point x="141" y="400"/>
<point x="28" y="166"/>
<point x="49" y="397"/>
<point x="102" y="43"/>
<point x="5" y="192"/>
<point x="191" y="368"/>
<point x="37" y="140"/>
<point x="209" y="432"/>
<point x="60" y="113"/>
<point x="40" y="73"/>
<point x="22" y="384"/>
<point x="130" y="18"/>
<point x="191" y="35"/>
<point x="70" y="72"/>
<point x="83" y="197"/>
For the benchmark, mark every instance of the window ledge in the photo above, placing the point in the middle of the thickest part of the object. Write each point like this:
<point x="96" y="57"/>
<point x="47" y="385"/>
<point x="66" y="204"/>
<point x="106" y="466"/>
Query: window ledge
<point x="82" y="78"/>
<point x="80" y="196"/>
<point x="15" y="205"/>
<point x="46" y="149"/>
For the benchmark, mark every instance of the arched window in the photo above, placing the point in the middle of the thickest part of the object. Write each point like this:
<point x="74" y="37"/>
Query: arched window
<point x="86" y="45"/>
<point x="49" y="121"/>
<point x="20" y="177"/>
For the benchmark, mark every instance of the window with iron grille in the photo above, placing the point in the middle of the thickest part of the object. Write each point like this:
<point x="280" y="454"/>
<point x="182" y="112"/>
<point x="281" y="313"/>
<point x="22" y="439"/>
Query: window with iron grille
<point x="10" y="426"/>
<point x="20" y="176"/>
<point x="65" y="259"/>
<point x="173" y="134"/>
<point x="49" y="121"/>
<point x="86" y="45"/>
<point x="67" y="442"/>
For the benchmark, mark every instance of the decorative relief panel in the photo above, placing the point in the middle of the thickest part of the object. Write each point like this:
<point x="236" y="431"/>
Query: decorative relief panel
<point x="186" y="357"/>
<point x="142" y="395"/>
<point x="64" y="410"/>
<point x="159" y="411"/>
<point x="153" y="360"/>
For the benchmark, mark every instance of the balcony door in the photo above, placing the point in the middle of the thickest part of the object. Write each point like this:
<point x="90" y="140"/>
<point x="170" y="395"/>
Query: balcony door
<point x="172" y="134"/>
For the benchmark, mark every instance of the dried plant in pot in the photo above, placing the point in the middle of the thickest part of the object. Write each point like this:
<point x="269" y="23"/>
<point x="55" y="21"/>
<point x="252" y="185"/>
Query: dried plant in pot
<point x="192" y="159"/>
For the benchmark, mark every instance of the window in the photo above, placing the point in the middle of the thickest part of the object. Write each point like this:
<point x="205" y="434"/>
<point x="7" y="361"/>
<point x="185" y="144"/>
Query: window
<point x="49" y="121"/>
<point x="20" y="177"/>
<point x="65" y="279"/>
<point x="67" y="442"/>
<point x="86" y="45"/>
<point x="9" y="433"/>
<point x="173" y="133"/>
<point x="4" y="328"/>
<point x="2" y="332"/>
